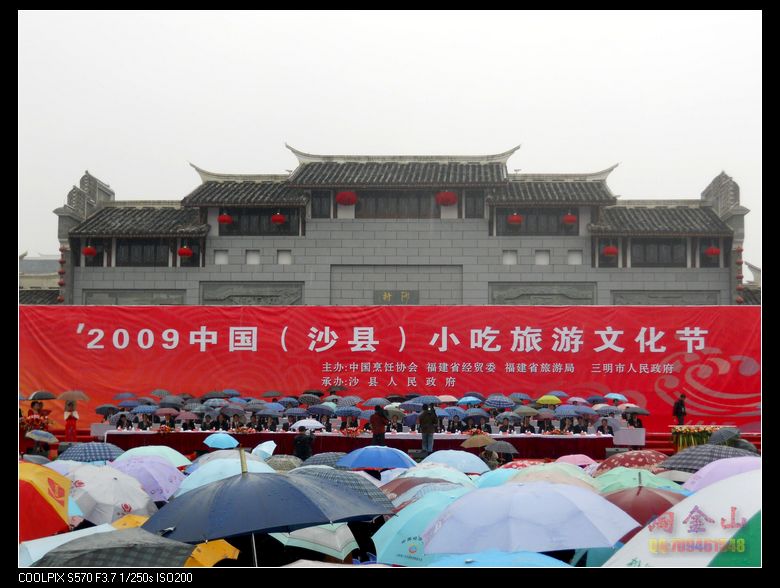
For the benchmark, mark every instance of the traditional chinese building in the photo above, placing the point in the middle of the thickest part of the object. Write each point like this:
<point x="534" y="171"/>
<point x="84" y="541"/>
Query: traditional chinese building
<point x="429" y="230"/>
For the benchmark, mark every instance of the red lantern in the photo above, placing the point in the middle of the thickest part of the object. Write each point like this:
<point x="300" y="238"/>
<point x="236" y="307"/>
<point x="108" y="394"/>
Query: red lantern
<point x="89" y="251"/>
<point x="739" y="249"/>
<point x="515" y="219"/>
<point x="446" y="198"/>
<point x="569" y="219"/>
<point x="739" y="300"/>
<point x="740" y="276"/>
<point x="61" y="283"/>
<point x="61" y="272"/>
<point x="740" y="262"/>
<point x="346" y="198"/>
<point x="63" y="249"/>
<point x="278" y="219"/>
<point x="185" y="251"/>
<point x="712" y="251"/>
<point x="62" y="261"/>
<point x="60" y="299"/>
<point x="740" y="288"/>
<point x="225" y="219"/>
<point x="609" y="251"/>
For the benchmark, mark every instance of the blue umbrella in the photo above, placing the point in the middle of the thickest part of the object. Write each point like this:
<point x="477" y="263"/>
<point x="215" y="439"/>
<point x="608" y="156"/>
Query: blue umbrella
<point x="476" y="395"/>
<point x="144" y="409"/>
<point x="616" y="396"/>
<point x="348" y="401"/>
<point x="376" y="457"/>
<point x="216" y="402"/>
<point x="288" y="402"/>
<point x="221" y="441"/>
<point x="469" y="401"/>
<point x="230" y="392"/>
<point x="595" y="399"/>
<point x="376" y="402"/>
<point x="454" y="411"/>
<point x="428" y="399"/>
<point x="321" y="409"/>
<point x="441" y="413"/>
<point x="219" y="469"/>
<point x="105" y="409"/>
<point x="296" y="412"/>
<point x="499" y="401"/>
<point x="129" y="403"/>
<point x="498" y="559"/>
<point x="607" y="410"/>
<point x="246" y="399"/>
<point x="558" y="394"/>
<point x="124" y="396"/>
<point x="258" y="503"/>
<point x="410" y="405"/>
<point x="275" y="406"/>
<point x="348" y="411"/>
<point x="495" y="478"/>
<point x="477" y="412"/>
<point x="586" y="411"/>
<point x="519" y="396"/>
<point x="42" y="436"/>
<point x="239" y="400"/>
<point x="566" y="410"/>
<point x="366" y="414"/>
<point x="463" y="461"/>
<point x="512" y="416"/>
<point x="92" y="452"/>
<point x="160" y="392"/>
<point x="147" y="400"/>
<point x="411" y="419"/>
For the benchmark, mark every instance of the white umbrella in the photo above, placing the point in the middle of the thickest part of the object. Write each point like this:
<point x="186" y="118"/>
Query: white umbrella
<point x="333" y="540"/>
<point x="104" y="494"/>
<point x="307" y="424"/>
<point x="711" y="515"/>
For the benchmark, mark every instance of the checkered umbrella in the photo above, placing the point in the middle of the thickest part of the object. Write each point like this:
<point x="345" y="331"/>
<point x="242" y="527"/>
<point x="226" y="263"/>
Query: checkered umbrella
<point x="501" y="447"/>
<point x="428" y="399"/>
<point x="348" y="411"/>
<point x="646" y="459"/>
<point x="160" y="392"/>
<point x="519" y="396"/>
<point x="499" y="401"/>
<point x="172" y="402"/>
<point x="328" y="459"/>
<point x="321" y="409"/>
<point x="348" y="401"/>
<point x="331" y="398"/>
<point x="288" y="402"/>
<point x="309" y="399"/>
<point x="284" y="463"/>
<point x="722" y="435"/>
<point x="106" y="409"/>
<point x="147" y="400"/>
<point x="314" y="392"/>
<point x="348" y="480"/>
<point x="694" y="458"/>
<point x="92" y="452"/>
<point x="411" y="405"/>
<point x="296" y="412"/>
<point x="193" y="404"/>
<point x="376" y="402"/>
<point x="134" y="548"/>
<point x="272" y="394"/>
<point x="512" y="416"/>
<point x="453" y="411"/>
<point x="255" y="406"/>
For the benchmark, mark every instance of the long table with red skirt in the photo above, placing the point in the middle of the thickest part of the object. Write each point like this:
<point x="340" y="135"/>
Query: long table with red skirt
<point x="528" y="446"/>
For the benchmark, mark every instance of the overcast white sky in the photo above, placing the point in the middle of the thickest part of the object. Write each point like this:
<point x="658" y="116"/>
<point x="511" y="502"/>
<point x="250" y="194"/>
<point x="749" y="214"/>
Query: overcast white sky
<point x="675" y="97"/>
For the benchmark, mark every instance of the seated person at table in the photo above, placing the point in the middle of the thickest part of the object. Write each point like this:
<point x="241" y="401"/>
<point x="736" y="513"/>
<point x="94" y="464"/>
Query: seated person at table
<point x="367" y="426"/>
<point x="456" y="426"/>
<point x="605" y="429"/>
<point x="254" y="423"/>
<point x="506" y="427"/>
<point x="394" y="425"/>
<point x="302" y="444"/>
<point x="288" y="425"/>
<point x="170" y="421"/>
<point x="207" y="424"/>
<point x="545" y="426"/>
<point x="580" y="427"/>
<point x="123" y="423"/>
<point x="635" y="422"/>
<point x="325" y="420"/>
<point x="270" y="424"/>
<point x="565" y="426"/>
<point x="484" y="425"/>
<point x="527" y="427"/>
<point x="188" y="425"/>
<point x="236" y="422"/>
<point x="440" y="426"/>
<point x="347" y="422"/>
<point x="145" y="422"/>
<point x="222" y="424"/>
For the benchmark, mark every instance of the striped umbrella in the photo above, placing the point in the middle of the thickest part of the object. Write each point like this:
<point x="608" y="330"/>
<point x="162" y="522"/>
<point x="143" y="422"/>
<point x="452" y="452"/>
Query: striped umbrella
<point x="160" y="392"/>
<point x="296" y="412"/>
<point x="519" y="396"/>
<point x="499" y="401"/>
<point x="348" y="411"/>
<point x="309" y="399"/>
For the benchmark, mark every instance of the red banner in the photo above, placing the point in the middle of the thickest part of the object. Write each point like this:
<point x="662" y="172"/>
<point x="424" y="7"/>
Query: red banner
<point x="649" y="354"/>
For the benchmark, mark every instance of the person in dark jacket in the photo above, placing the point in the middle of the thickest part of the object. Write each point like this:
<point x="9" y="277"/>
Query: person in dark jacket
<point x="347" y="422"/>
<point x="378" y="422"/>
<point x="302" y="444"/>
<point x="456" y="425"/>
<point x="506" y="426"/>
<point x="485" y="426"/>
<point x="545" y="426"/>
<point x="635" y="422"/>
<point x="288" y="425"/>
<point x="394" y="425"/>
<point x="679" y="409"/>
<point x="270" y="424"/>
<point x="580" y="427"/>
<point x="527" y="427"/>
<point x="222" y="424"/>
<point x="207" y="424"/>
<point x="565" y="425"/>
<point x="427" y="422"/>
<point x="605" y="429"/>
<point x="188" y="425"/>
<point x="328" y="425"/>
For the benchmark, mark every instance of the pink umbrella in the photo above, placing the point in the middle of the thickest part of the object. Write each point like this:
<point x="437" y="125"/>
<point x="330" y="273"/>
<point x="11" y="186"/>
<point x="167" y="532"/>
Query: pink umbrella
<point x="519" y="464"/>
<point x="166" y="411"/>
<point x="187" y="416"/>
<point x="577" y="459"/>
<point x="721" y="469"/>
<point x="577" y="400"/>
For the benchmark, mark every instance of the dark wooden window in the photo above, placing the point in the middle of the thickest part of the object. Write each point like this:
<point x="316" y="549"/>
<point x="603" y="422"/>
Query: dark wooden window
<point x="607" y="260"/>
<point x="97" y="260"/>
<point x="706" y="260"/>
<point x="386" y="204"/>
<point x="537" y="221"/>
<point x="475" y="204"/>
<point x="193" y="261"/>
<point x="257" y="221"/>
<point x="142" y="252"/>
<point x="320" y="204"/>
<point x="658" y="253"/>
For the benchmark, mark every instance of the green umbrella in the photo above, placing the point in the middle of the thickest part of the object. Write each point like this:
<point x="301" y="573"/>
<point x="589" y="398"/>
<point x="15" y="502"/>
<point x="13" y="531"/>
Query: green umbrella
<point x="749" y="538"/>
<point x="565" y="468"/>
<point x="173" y="456"/>
<point x="333" y="540"/>
<point x="622" y="478"/>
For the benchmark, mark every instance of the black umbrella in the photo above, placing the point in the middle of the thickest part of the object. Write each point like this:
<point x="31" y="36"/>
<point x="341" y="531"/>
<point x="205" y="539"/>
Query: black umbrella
<point x="272" y="394"/>
<point x="106" y="409"/>
<point x="214" y="394"/>
<point x="328" y="458"/>
<point x="258" y="503"/>
<point x="501" y="447"/>
<point x="41" y="395"/>
<point x="126" y="548"/>
<point x="396" y="398"/>
<point x="722" y="435"/>
<point x="309" y="399"/>
<point x="694" y="458"/>
<point x="314" y="392"/>
<point x="349" y="480"/>
<point x="334" y="389"/>
<point x="744" y="444"/>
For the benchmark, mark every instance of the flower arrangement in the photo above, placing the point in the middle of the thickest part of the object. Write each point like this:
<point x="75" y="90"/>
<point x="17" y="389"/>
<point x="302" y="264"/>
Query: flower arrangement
<point x="352" y="431"/>
<point x="472" y="432"/>
<point x="553" y="432"/>
<point x="246" y="430"/>
<point x="689" y="435"/>
<point x="35" y="422"/>
<point x="164" y="429"/>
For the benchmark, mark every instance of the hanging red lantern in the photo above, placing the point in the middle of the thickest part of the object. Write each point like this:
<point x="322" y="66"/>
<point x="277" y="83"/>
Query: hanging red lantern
<point x="570" y="219"/>
<point x="446" y="198"/>
<point x="225" y="219"/>
<point x="62" y="261"/>
<point x="278" y="219"/>
<point x="60" y="299"/>
<point x="63" y="249"/>
<point x="61" y="272"/>
<point x="712" y="251"/>
<point x="185" y="251"/>
<point x="739" y="300"/>
<point x="609" y="251"/>
<point x="346" y="198"/>
<point x="515" y="219"/>
<point x="740" y="276"/>
<point x="739" y="249"/>
<point x="89" y="251"/>
<point x="740" y="287"/>
<point x="61" y="283"/>
<point x="739" y="262"/>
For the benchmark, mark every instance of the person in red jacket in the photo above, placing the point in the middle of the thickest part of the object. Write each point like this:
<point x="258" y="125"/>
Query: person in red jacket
<point x="71" y="418"/>
<point x="378" y="422"/>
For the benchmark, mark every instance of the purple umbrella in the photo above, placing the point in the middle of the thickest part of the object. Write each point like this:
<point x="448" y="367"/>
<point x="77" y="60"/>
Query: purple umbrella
<point x="187" y="416"/>
<point x="158" y="477"/>
<point x="719" y="470"/>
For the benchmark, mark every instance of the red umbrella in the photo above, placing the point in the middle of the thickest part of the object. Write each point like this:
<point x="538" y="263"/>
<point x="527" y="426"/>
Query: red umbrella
<point x="394" y="488"/>
<point x="647" y="459"/>
<point x="519" y="464"/>
<point x="43" y="502"/>
<point x="643" y="504"/>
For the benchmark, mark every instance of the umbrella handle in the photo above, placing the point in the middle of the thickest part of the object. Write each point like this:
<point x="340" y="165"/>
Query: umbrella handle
<point x="254" y="548"/>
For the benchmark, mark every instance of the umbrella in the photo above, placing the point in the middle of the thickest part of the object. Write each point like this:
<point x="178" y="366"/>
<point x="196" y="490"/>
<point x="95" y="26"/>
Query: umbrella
<point x="166" y="412"/>
<point x="348" y="411"/>
<point x="307" y="424"/>
<point x="586" y="411"/>
<point x="694" y="458"/>
<point x="214" y="395"/>
<point x="526" y="411"/>
<point x="296" y="412"/>
<point x="168" y="453"/>
<point x="274" y="407"/>
<point x="32" y="551"/>
<point x="271" y="394"/>
<point x="403" y="484"/>
<point x="186" y="416"/>
<point x="411" y="405"/>
<point x="43" y="500"/>
<point x="548" y="399"/>
<point x="160" y="393"/>
<point x="646" y="459"/>
<point x="399" y="540"/>
<point x="321" y="409"/>
<point x="414" y="494"/>
<point x="284" y="463"/>
<point x="577" y="459"/>
<point x="749" y="534"/>
<point x="64" y="466"/>
<point x="134" y="548"/>
<point x="114" y="418"/>
<point x="219" y="469"/>
<point x="454" y="411"/>
<point x="499" y="559"/>
<point x="545" y="415"/>
<point x="477" y="441"/>
<point x="73" y="395"/>
<point x="519" y="397"/>
<point x="595" y="399"/>
<point x="157" y="476"/>
<point x="397" y="412"/>
<point x="410" y="420"/>
<point x="309" y="399"/>
<point x="130" y="522"/>
<point x="288" y="402"/>
<point x="215" y="402"/>
<point x="232" y="454"/>
<point x="41" y="395"/>
<point x="643" y="504"/>
<point x="558" y="394"/>
<point x="550" y="476"/>
<point x="255" y="406"/>
<point x="348" y="401"/>
<point x="495" y="478"/>
<point x="621" y="478"/>
<point x="263" y="503"/>
<point x="334" y="540"/>
<point x="39" y="459"/>
<point x="469" y="401"/>
<point x="329" y="458"/>
<point x="527" y="517"/>
<point x="477" y="412"/>
<point x="476" y="395"/>
<point x="129" y="403"/>
<point x="626" y="405"/>
<point x="717" y="512"/>
<point x="375" y="457"/>
<point x="174" y="401"/>
<point x="105" y="409"/>
<point x="231" y="393"/>
<point x="501" y="447"/>
<point x="269" y="413"/>
<point x="441" y="413"/>
<point x="616" y="396"/>
<point x="350" y="481"/>
<point x="149" y="409"/>
<point x="638" y="410"/>
<point x="520" y="464"/>
<point x="221" y="441"/>
<point x="720" y="470"/>
<point x="463" y="461"/>
<point x="427" y="399"/>
<point x="337" y="388"/>
<point x="499" y="401"/>
<point x="744" y="444"/>
<point x="396" y="398"/>
<point x="105" y="494"/>
<point x="205" y="555"/>
<point x="447" y="398"/>
<point x="314" y="392"/>
<point x="566" y="410"/>
<point x="264" y="450"/>
<point x="92" y="452"/>
<point x="239" y="401"/>
<point x="577" y="399"/>
<point x="42" y="436"/>
<point x="438" y="472"/>
<point x="722" y="435"/>
<point x="376" y="402"/>
<point x="147" y="400"/>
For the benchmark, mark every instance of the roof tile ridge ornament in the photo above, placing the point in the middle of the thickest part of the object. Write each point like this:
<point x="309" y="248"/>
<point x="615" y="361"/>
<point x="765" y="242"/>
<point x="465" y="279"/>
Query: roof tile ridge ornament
<point x="599" y="176"/>
<point x="207" y="176"/>
<point x="304" y="158"/>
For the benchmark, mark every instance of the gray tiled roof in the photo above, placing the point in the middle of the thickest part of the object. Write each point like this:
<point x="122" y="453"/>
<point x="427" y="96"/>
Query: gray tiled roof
<point x="141" y="222"/>
<point x="660" y="220"/>
<point x="397" y="174"/>
<point x="38" y="296"/>
<point x="547" y="192"/>
<point x="244" y="194"/>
